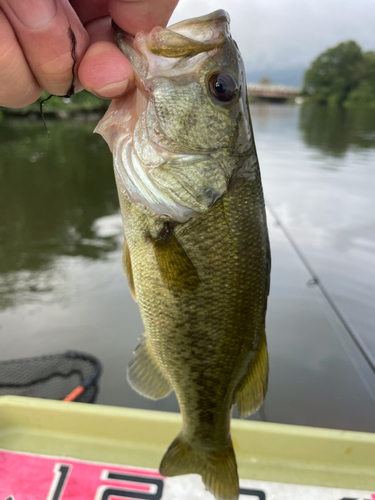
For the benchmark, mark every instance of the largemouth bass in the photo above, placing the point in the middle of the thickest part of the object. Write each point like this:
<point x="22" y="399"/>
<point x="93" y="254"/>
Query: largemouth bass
<point x="196" y="249"/>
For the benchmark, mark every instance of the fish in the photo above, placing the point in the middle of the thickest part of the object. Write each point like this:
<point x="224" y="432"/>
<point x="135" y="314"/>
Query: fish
<point x="196" y="251"/>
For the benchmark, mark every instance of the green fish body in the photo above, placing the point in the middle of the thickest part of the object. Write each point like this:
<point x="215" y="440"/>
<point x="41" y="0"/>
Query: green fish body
<point x="196" y="252"/>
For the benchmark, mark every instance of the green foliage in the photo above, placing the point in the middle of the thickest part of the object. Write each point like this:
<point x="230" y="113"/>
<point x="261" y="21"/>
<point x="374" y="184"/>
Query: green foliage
<point x="342" y="75"/>
<point x="364" y="94"/>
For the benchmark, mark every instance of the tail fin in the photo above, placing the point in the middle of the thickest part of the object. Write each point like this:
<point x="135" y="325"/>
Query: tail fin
<point x="218" y="469"/>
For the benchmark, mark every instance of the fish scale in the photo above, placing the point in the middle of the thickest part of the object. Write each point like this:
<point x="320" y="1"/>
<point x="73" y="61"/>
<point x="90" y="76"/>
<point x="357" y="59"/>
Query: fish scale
<point x="226" y="278"/>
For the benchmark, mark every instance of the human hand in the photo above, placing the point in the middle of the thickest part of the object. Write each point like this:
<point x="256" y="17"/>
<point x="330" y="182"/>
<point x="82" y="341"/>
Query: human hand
<point x="35" y="48"/>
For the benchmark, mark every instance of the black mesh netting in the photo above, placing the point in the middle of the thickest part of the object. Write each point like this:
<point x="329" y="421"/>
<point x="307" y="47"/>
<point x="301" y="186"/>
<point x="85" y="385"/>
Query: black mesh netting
<point x="52" y="376"/>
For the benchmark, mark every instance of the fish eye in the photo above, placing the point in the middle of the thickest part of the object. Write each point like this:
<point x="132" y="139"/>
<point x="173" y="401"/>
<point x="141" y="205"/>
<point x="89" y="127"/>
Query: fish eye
<point x="222" y="86"/>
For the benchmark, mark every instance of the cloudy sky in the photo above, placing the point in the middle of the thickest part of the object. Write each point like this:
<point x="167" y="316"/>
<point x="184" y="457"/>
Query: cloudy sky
<point x="280" y="38"/>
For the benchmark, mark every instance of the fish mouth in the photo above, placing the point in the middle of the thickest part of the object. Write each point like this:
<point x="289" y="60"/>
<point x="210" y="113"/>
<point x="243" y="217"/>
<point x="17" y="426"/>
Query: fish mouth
<point x="176" y="45"/>
<point x="186" y="38"/>
<point x="177" y="51"/>
<point x="209" y="27"/>
<point x="149" y="166"/>
<point x="125" y="42"/>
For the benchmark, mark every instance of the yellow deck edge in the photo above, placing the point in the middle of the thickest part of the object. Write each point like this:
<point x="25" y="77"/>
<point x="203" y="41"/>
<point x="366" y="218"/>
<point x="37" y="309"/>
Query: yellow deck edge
<point x="125" y="436"/>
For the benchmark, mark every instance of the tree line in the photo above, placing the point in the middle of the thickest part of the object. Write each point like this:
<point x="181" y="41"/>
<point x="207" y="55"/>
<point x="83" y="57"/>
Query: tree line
<point x="343" y="75"/>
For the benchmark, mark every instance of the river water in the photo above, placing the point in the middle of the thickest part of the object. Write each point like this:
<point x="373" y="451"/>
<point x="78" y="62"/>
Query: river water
<point x="318" y="169"/>
<point x="61" y="282"/>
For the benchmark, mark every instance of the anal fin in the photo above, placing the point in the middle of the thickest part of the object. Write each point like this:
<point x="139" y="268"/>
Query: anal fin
<point x="145" y="375"/>
<point x="251" y="394"/>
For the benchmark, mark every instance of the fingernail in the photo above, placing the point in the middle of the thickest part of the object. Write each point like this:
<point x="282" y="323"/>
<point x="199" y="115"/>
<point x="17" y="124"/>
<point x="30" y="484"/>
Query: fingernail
<point x="113" y="90"/>
<point x="34" y="13"/>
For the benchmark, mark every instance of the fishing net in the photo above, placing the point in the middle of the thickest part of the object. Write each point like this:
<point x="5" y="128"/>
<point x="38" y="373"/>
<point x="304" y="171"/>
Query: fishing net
<point x="71" y="376"/>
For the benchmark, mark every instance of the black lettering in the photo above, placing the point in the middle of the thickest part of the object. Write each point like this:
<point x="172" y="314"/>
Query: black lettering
<point x="253" y="493"/>
<point x="58" y="484"/>
<point x="107" y="492"/>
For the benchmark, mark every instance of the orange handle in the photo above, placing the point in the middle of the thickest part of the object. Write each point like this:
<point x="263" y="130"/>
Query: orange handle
<point x="74" y="394"/>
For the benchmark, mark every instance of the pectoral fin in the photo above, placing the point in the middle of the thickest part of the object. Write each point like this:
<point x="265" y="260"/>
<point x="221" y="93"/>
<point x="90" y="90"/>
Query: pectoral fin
<point x="175" y="266"/>
<point x="145" y="374"/>
<point x="128" y="269"/>
<point x="251" y="394"/>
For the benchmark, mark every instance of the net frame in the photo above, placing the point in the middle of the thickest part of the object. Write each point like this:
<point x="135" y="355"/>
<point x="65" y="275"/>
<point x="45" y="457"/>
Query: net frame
<point x="52" y="376"/>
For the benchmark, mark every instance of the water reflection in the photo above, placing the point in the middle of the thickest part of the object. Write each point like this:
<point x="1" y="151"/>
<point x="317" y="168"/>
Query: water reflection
<point x="322" y="191"/>
<point x="334" y="130"/>
<point x="49" y="201"/>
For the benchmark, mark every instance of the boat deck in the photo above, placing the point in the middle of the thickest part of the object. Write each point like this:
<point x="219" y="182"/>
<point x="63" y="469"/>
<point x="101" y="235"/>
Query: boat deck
<point x="73" y="451"/>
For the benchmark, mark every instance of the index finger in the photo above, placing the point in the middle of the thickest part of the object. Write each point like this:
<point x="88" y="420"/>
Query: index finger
<point x="137" y="15"/>
<point x="104" y="70"/>
<point x="130" y="15"/>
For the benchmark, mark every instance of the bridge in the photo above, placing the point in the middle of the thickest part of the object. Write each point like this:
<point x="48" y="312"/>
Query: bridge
<point x="272" y="92"/>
